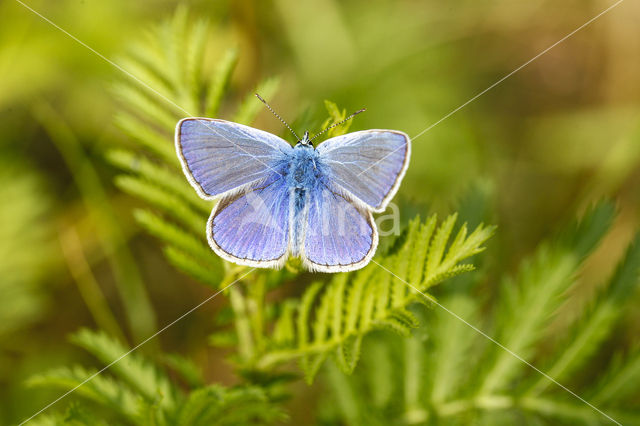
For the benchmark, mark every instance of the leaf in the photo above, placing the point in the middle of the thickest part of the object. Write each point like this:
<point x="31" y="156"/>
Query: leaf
<point x="203" y="273"/>
<point x="215" y="405"/>
<point x="173" y="60"/>
<point x="251" y="106"/>
<point x="139" y="373"/>
<point x="186" y="368"/>
<point x="597" y="321"/>
<point x="220" y="81"/>
<point x="454" y="375"/>
<point x="352" y="305"/>
<point x="535" y="295"/>
<point x="163" y="200"/>
<point x="117" y="396"/>
<point x="170" y="233"/>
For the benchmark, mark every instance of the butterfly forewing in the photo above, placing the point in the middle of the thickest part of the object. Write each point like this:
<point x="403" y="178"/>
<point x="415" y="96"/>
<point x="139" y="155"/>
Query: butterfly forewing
<point x="219" y="156"/>
<point x="369" y="164"/>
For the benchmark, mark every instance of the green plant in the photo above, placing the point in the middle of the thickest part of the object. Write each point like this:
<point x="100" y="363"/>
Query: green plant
<point x="24" y="247"/>
<point x="446" y="373"/>
<point x="330" y="317"/>
<point x="136" y="391"/>
<point x="340" y="320"/>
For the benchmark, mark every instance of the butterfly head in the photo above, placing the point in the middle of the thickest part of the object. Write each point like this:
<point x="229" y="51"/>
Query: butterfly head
<point x="305" y="141"/>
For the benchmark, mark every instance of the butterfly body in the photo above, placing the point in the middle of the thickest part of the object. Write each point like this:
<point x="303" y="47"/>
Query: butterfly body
<point x="303" y="179"/>
<point x="277" y="201"/>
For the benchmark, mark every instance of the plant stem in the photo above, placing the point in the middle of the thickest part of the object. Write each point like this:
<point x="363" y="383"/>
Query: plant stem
<point x="413" y="376"/>
<point x="242" y="324"/>
<point x="256" y="309"/>
<point x="88" y="286"/>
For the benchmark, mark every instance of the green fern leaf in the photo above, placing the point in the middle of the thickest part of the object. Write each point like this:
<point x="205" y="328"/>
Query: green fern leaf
<point x="251" y="106"/>
<point x="170" y="233"/>
<point x="621" y="381"/>
<point x="284" y="328"/>
<point x="529" y="302"/>
<point x="187" y="369"/>
<point x="171" y="60"/>
<point x="133" y="369"/>
<point x="162" y="176"/>
<point x="148" y="137"/>
<point x="220" y="81"/>
<point x="117" y="396"/>
<point x="597" y="321"/>
<point x="204" y="273"/>
<point x="355" y="304"/>
<point x="163" y="200"/>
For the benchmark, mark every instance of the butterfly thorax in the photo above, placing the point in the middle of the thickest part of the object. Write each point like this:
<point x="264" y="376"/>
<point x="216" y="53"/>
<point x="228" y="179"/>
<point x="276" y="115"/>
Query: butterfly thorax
<point x="303" y="167"/>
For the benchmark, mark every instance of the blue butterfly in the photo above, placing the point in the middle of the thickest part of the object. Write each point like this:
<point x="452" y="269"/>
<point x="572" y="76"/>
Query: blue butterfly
<point x="277" y="200"/>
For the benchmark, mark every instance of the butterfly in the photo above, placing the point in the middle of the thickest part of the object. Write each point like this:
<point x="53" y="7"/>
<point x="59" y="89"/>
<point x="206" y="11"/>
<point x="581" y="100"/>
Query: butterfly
<point x="278" y="201"/>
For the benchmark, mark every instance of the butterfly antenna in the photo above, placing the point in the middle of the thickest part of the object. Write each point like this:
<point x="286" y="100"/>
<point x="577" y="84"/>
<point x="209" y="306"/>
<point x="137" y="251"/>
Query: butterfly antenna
<point x="276" y="114"/>
<point x="337" y="124"/>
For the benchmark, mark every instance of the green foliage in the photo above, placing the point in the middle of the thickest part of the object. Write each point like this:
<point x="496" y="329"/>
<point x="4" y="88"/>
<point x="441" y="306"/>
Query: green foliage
<point x="335" y="116"/>
<point x="179" y="81"/>
<point x="333" y="318"/>
<point x="135" y="391"/>
<point x="328" y="319"/>
<point x="447" y="373"/>
<point x="535" y="294"/>
<point x="140" y="315"/>
<point x="23" y="245"/>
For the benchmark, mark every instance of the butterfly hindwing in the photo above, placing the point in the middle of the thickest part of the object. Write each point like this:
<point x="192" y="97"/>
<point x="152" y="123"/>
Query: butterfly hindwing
<point x="251" y="227"/>
<point x="340" y="235"/>
<point x="219" y="156"/>
<point x="368" y="164"/>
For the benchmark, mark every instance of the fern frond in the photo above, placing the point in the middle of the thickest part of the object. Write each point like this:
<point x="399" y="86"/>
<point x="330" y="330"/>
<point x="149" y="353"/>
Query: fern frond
<point x="355" y="304"/>
<point x="117" y="396"/>
<point x="597" y="321"/>
<point x="220" y="80"/>
<point x="205" y="273"/>
<point x="148" y="137"/>
<point x="145" y="396"/>
<point x="156" y="110"/>
<point x="215" y="405"/>
<point x="163" y="200"/>
<point x="172" y="61"/>
<point x="251" y="106"/>
<point x="454" y="376"/>
<point x="177" y="237"/>
<point x="451" y="344"/>
<point x="169" y="180"/>
<point x="140" y="374"/>
<point x="187" y="369"/>
<point x="621" y="381"/>
<point x="529" y="301"/>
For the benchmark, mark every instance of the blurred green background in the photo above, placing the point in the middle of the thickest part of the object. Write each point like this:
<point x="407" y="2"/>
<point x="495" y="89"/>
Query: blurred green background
<point x="545" y="143"/>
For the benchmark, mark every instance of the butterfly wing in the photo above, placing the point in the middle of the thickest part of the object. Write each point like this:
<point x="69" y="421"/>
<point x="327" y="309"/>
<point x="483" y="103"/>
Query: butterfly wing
<point x="340" y="235"/>
<point x="251" y="227"/>
<point x="368" y="165"/>
<point x="220" y="157"/>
